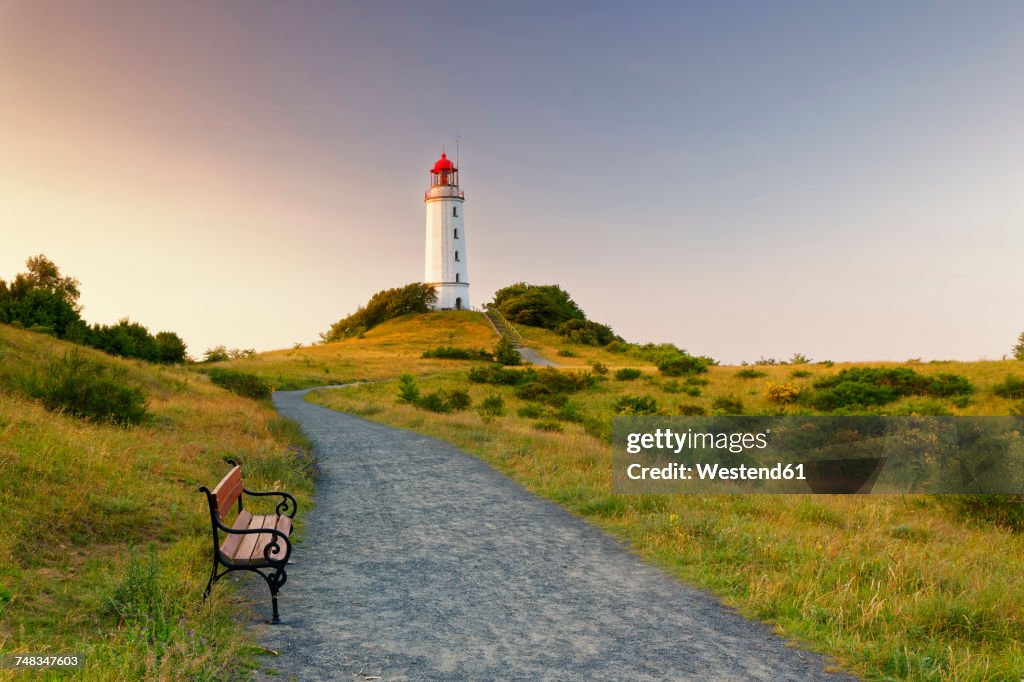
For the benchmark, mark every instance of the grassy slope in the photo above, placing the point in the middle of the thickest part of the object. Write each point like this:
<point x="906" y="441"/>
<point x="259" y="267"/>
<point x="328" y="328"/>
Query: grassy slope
<point x="383" y="353"/>
<point x="88" y="508"/>
<point x="894" y="587"/>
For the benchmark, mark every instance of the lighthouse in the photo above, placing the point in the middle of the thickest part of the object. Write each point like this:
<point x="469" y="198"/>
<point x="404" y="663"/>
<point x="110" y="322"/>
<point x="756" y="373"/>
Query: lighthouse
<point x="446" y="258"/>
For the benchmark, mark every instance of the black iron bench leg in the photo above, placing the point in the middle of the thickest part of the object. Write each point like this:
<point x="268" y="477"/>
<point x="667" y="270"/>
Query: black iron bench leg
<point x="274" y="581"/>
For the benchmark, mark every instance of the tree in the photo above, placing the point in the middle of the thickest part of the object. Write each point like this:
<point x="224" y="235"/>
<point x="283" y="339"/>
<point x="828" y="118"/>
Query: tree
<point x="41" y="299"/>
<point x="546" y="305"/>
<point x="170" y="348"/>
<point x="1018" y="350"/>
<point x="383" y="306"/>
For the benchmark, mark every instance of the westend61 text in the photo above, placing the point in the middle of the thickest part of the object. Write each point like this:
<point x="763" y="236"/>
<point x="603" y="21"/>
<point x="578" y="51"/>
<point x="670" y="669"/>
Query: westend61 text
<point x="715" y="472"/>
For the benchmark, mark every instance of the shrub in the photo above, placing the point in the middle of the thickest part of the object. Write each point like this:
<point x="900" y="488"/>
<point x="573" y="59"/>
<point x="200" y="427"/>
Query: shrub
<point x="672" y="387"/>
<point x="241" y="383"/>
<point x="566" y="353"/>
<point x="545" y="306"/>
<point x="1012" y="387"/>
<point x="727" y="404"/>
<point x="505" y="352"/>
<point x="875" y="386"/>
<point x="497" y="375"/>
<point x="599" y="368"/>
<point x="799" y="359"/>
<point x="636" y="405"/>
<point x="492" y="406"/>
<point x="681" y="364"/>
<point x="408" y="391"/>
<point x="1006" y="511"/>
<point x="750" y="374"/>
<point x="697" y="381"/>
<point x="690" y="410"/>
<point x="960" y="401"/>
<point x="531" y="411"/>
<point x="551" y="386"/>
<point x="383" y="306"/>
<point x="216" y="354"/>
<point x="547" y="425"/>
<point x="627" y="374"/>
<point x="781" y="394"/>
<point x="949" y="385"/>
<point x="86" y="389"/>
<point x="453" y="353"/>
<point x="434" y="402"/>
<point x="1018" y="349"/>
<point x="800" y="373"/>
<point x="457" y="399"/>
<point x="587" y="333"/>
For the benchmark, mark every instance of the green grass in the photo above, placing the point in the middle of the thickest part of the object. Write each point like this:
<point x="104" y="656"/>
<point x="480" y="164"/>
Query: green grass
<point x="893" y="587"/>
<point x="105" y="543"/>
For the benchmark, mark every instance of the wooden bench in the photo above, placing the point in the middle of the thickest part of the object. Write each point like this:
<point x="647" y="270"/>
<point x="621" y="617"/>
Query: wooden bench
<point x="257" y="543"/>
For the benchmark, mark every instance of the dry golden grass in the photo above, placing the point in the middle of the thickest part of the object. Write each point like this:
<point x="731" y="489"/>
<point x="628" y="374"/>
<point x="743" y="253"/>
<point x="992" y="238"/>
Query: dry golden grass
<point x="895" y="587"/>
<point x="384" y="352"/>
<point x="83" y="503"/>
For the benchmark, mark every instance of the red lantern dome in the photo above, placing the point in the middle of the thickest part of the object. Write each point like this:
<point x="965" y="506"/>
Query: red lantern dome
<point x="444" y="164"/>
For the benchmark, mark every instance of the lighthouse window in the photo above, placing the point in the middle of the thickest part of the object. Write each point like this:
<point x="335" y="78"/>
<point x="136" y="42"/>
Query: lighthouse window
<point x="456" y="277"/>
<point x="456" y="230"/>
<point x="455" y="211"/>
<point x="456" y="255"/>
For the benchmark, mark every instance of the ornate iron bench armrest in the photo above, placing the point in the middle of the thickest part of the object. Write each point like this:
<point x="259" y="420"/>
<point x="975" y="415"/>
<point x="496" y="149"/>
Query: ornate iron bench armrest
<point x="286" y="507"/>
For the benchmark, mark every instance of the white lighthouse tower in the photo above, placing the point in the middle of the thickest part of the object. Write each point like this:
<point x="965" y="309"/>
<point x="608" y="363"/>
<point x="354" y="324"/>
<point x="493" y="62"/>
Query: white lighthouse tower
<point x="446" y="257"/>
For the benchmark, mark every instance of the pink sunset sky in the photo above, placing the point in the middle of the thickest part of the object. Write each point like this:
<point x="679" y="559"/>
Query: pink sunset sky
<point x="843" y="181"/>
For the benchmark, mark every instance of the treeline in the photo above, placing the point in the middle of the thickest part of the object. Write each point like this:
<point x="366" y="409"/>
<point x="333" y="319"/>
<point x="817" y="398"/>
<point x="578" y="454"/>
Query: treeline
<point x="43" y="300"/>
<point x="383" y="306"/>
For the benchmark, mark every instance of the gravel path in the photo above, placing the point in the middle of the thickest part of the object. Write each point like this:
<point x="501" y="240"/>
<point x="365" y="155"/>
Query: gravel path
<point x="530" y="355"/>
<point x="421" y="562"/>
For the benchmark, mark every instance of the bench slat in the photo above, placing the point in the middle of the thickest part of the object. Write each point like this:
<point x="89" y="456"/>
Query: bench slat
<point x="230" y="545"/>
<point x="228" y="491"/>
<point x="250" y="549"/>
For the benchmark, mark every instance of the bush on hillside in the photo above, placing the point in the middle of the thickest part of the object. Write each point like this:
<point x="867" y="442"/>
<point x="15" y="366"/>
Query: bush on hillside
<point x="500" y="376"/>
<point x="241" y="383"/>
<point x="86" y="389"/>
<point x="453" y="353"/>
<point x="636" y="405"/>
<point x="546" y="306"/>
<point x="408" y="391"/>
<point x="726" y="405"/>
<point x="552" y="386"/>
<point x="1012" y="387"/>
<point x="383" y="306"/>
<point x="586" y="332"/>
<point x="1018" y="348"/>
<point x="505" y="352"/>
<point x="678" y="364"/>
<point x="550" y="307"/>
<point x="859" y="387"/>
<point x="492" y="406"/>
<point x="627" y="374"/>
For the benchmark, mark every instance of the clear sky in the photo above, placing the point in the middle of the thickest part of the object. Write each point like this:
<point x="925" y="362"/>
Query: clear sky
<point x="844" y="180"/>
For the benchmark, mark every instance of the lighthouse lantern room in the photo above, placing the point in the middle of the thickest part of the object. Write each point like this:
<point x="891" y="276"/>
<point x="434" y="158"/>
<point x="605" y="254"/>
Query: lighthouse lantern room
<point x="446" y="262"/>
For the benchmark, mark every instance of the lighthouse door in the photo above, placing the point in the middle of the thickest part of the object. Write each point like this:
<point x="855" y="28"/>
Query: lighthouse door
<point x="458" y="303"/>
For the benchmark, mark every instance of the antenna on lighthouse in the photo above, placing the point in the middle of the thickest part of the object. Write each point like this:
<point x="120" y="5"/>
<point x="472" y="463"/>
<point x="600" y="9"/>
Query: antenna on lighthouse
<point x="457" y="138"/>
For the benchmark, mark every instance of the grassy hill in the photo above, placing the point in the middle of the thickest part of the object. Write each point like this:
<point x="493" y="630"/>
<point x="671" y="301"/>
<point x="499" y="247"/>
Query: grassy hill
<point x="895" y="587"/>
<point x="105" y="541"/>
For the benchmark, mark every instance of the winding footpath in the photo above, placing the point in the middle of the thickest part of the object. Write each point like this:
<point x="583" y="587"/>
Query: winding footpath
<point x="421" y="562"/>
